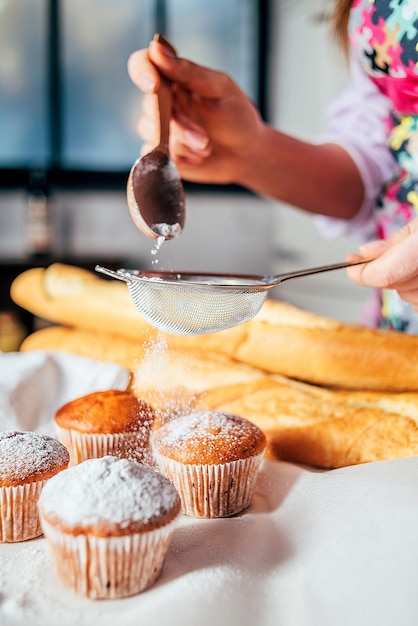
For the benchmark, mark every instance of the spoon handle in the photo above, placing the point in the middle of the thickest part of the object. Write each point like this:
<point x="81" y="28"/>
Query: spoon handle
<point x="164" y="113"/>
<point x="164" y="100"/>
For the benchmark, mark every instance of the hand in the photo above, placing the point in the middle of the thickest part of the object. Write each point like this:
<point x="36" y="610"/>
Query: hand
<point x="214" y="123"/>
<point x="394" y="264"/>
<point x="218" y="136"/>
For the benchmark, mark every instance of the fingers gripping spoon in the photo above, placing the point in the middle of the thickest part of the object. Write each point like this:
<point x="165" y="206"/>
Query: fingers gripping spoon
<point x="154" y="189"/>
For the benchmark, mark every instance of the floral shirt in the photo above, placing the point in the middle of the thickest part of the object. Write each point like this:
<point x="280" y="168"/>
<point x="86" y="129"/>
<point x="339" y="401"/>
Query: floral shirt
<point x="384" y="49"/>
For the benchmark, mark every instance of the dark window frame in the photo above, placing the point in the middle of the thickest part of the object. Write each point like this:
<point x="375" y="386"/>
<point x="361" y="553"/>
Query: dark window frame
<point x="56" y="178"/>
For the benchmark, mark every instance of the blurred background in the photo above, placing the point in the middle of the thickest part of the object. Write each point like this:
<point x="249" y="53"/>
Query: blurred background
<point x="68" y="115"/>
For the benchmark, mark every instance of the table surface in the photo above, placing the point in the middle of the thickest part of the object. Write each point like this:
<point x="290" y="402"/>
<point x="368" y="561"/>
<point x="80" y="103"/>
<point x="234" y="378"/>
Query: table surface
<point x="316" y="548"/>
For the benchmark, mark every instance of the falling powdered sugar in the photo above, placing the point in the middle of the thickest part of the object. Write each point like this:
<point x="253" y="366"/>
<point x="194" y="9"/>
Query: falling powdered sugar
<point x="153" y="376"/>
<point x="164" y="231"/>
<point x="157" y="246"/>
<point x="154" y="362"/>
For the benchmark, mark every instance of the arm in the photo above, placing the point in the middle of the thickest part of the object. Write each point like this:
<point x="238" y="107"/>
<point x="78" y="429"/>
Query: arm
<point x="218" y="136"/>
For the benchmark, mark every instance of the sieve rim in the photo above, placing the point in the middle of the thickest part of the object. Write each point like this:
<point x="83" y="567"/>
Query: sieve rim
<point x="195" y="280"/>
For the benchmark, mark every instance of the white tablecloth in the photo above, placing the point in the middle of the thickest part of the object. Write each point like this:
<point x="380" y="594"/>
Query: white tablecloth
<point x="335" y="548"/>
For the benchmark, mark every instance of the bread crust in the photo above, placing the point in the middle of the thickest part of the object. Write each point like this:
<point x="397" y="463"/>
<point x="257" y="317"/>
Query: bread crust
<point x="90" y="344"/>
<point x="361" y="403"/>
<point x="167" y="379"/>
<point x="321" y="427"/>
<point x="71" y="295"/>
<point x="302" y="422"/>
<point x="280" y="339"/>
<point x="165" y="369"/>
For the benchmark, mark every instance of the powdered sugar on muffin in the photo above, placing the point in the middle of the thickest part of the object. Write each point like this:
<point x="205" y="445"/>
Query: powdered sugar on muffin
<point x="212" y="458"/>
<point x="226" y="438"/>
<point x="108" y="523"/>
<point x="27" y="461"/>
<point x="107" y="496"/>
<point x="27" y="456"/>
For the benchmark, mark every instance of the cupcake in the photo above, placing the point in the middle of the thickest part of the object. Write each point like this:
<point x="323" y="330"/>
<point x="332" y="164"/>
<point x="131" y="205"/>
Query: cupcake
<point x="212" y="458"/>
<point x="105" y="422"/>
<point x="27" y="461"/>
<point x="108" y="523"/>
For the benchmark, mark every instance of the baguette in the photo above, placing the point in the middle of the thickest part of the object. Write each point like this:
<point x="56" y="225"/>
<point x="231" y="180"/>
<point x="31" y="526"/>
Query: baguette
<point x="99" y="346"/>
<point x="152" y="363"/>
<point x="167" y="379"/>
<point x="318" y="427"/>
<point x="69" y="295"/>
<point x="281" y="339"/>
<point x="303" y="423"/>
<point x="320" y="350"/>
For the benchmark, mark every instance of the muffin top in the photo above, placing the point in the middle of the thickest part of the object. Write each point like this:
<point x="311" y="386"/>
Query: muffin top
<point x="209" y="438"/>
<point x="110" y="411"/>
<point x="26" y="457"/>
<point x="109" y="497"/>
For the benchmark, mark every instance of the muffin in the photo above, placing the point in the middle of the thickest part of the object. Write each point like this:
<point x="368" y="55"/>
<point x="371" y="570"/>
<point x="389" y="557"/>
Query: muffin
<point x="212" y="458"/>
<point x="105" y="422"/>
<point x="27" y="461"/>
<point x="108" y="523"/>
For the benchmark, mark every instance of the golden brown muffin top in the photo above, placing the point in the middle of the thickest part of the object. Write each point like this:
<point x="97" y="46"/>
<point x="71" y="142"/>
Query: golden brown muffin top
<point x="110" y="411"/>
<point x="209" y="438"/>
<point x="108" y="497"/>
<point x="26" y="457"/>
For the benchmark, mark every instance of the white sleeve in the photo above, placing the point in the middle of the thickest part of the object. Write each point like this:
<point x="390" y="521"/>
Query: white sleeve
<point x="356" y="120"/>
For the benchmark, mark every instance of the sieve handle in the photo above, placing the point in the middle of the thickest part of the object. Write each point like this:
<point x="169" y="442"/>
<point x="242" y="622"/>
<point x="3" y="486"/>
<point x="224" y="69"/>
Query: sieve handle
<point x="277" y="280"/>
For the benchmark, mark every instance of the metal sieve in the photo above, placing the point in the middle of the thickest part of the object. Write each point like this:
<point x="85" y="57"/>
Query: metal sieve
<point x="192" y="303"/>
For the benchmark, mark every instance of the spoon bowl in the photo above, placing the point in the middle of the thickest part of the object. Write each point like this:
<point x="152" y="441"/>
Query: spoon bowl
<point x="154" y="190"/>
<point x="155" y="196"/>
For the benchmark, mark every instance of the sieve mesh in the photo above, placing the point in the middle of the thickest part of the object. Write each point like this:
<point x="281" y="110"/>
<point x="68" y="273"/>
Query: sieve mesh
<point x="186" y="310"/>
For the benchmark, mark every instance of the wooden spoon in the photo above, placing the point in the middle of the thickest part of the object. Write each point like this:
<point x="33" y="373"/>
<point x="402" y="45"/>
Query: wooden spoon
<point x="154" y="189"/>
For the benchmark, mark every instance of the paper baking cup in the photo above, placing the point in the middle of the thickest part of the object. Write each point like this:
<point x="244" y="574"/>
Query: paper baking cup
<point x="213" y="490"/>
<point x="83" y="446"/>
<point x="19" y="519"/>
<point x="108" y="567"/>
